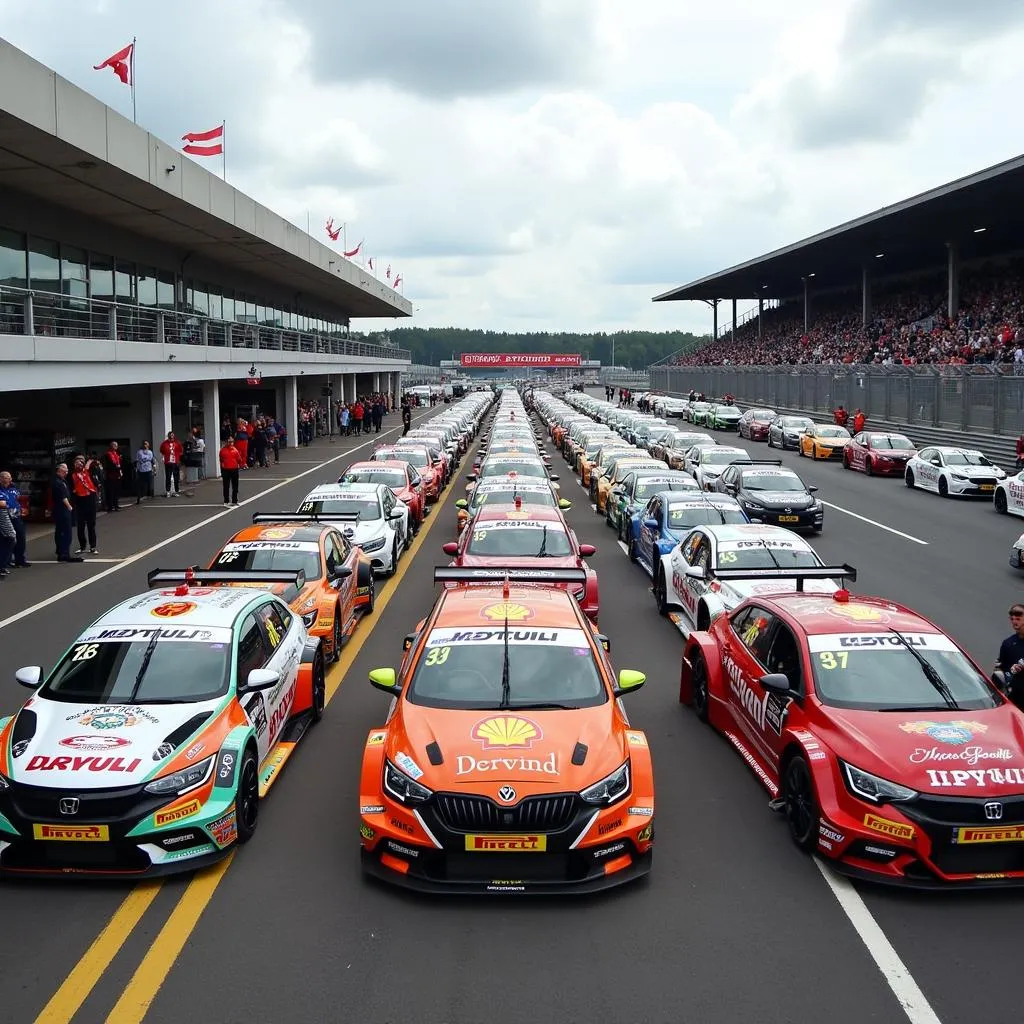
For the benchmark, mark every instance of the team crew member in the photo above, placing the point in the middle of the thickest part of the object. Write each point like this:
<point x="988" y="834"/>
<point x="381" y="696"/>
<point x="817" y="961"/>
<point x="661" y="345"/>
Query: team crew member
<point x="10" y="494"/>
<point x="858" y="421"/>
<point x="1011" y="657"/>
<point x="171" y="451"/>
<point x="406" y="417"/>
<point x="112" y="476"/>
<point x="231" y="462"/>
<point x="144" y="459"/>
<point x="62" y="515"/>
<point x="83" y="491"/>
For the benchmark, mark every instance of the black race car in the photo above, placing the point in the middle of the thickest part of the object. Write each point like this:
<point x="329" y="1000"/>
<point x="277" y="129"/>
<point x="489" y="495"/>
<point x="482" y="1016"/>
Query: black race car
<point x="770" y="494"/>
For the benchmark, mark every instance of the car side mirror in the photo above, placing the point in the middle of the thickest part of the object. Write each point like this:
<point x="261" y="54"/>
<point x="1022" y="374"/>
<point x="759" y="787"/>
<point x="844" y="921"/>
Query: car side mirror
<point x="935" y="462"/>
<point x="812" y="489"/>
<point x="462" y="503"/>
<point x="586" y="550"/>
<point x="776" y="682"/>
<point x="651" y="523"/>
<point x="341" y="572"/>
<point x="260" y="679"/>
<point x="30" y="676"/>
<point x="397" y="514"/>
<point x="564" y="504"/>
<point x="695" y="572"/>
<point x="450" y="547"/>
<point x="471" y="476"/>
<point x="552" y="476"/>
<point x="384" y="679"/>
<point x="629" y="681"/>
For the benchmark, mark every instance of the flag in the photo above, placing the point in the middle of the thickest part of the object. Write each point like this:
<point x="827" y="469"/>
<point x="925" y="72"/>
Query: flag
<point x="332" y="230"/>
<point x="354" y="252"/>
<point x="388" y="274"/>
<point x="215" y="135"/>
<point x="398" y="280"/>
<point x="372" y="258"/>
<point x="120" y="64"/>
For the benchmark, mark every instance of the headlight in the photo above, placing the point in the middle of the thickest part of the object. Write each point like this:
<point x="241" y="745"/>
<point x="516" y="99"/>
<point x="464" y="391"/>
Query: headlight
<point x="309" y="618"/>
<point x="4" y="784"/>
<point x="747" y="503"/>
<point x="611" y="788"/>
<point x="183" y="781"/>
<point x="402" y="788"/>
<point x="374" y="545"/>
<point x="873" y="789"/>
<point x="959" y="476"/>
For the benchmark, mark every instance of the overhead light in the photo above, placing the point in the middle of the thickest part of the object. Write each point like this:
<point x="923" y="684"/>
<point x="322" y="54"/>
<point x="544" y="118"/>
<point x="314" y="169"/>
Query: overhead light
<point x="978" y="231"/>
<point x="879" y="255"/>
<point x="811" y="275"/>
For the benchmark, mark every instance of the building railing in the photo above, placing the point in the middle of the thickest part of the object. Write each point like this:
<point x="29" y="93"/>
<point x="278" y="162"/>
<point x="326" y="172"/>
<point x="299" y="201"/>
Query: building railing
<point x="49" y="314"/>
<point x="978" y="398"/>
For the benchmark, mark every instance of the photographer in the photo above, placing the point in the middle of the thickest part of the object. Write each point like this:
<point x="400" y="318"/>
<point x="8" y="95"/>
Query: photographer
<point x="1010" y="664"/>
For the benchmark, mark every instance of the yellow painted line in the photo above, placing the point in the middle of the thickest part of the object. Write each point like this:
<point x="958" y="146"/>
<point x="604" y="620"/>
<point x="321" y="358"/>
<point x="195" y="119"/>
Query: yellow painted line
<point x="140" y="992"/>
<point x="68" y="999"/>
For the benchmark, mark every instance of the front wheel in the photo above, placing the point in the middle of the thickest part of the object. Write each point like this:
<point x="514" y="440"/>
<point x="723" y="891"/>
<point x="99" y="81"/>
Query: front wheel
<point x="661" y="594"/>
<point x="632" y="550"/>
<point x="319" y="687"/>
<point x="247" y="797"/>
<point x="1000" y="502"/>
<point x="943" y="487"/>
<point x="394" y="557"/>
<point x="801" y="804"/>
<point x="701" y="694"/>
<point x="337" y="638"/>
<point x="909" y="478"/>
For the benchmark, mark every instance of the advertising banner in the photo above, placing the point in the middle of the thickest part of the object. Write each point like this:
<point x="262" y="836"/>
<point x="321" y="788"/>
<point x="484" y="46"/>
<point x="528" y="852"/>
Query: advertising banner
<point x="476" y="360"/>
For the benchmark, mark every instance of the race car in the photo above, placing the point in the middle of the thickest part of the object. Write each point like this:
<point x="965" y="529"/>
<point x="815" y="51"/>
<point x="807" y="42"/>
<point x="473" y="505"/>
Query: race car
<point x="502" y="465"/>
<point x="675" y="456"/>
<point x="696" y="413"/>
<point x="1009" y="495"/>
<point x="705" y="463"/>
<point x="754" y="424"/>
<point x="953" y="472"/>
<point x="824" y="441"/>
<point x="700" y="574"/>
<point x="879" y="454"/>
<point x="147" y="748"/>
<point x="616" y="471"/>
<point x="785" y="431"/>
<point x="723" y="417"/>
<point x="338" y="576"/>
<point x="507" y="765"/>
<point x="593" y="464"/>
<point x="654" y="530"/>
<point x="534" y="537"/>
<point x="377" y="522"/>
<point x="507" y="490"/>
<point x="430" y="463"/>
<point x="403" y="479"/>
<point x="636" y="488"/>
<point x="769" y="493"/>
<point x="885" y="747"/>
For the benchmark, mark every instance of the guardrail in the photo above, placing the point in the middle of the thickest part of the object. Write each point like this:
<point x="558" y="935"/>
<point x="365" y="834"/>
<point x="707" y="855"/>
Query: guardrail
<point x="636" y="379"/>
<point x="47" y="314"/>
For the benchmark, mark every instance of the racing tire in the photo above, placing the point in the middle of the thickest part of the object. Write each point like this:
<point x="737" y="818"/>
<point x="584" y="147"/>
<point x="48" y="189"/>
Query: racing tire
<point x="319" y="701"/>
<point x="909" y="479"/>
<point x="661" y="593"/>
<point x="869" y="467"/>
<point x="247" y="797"/>
<point x="394" y="558"/>
<point x="771" y="443"/>
<point x="336" y="638"/>
<point x="943" y="487"/>
<point x="800" y="804"/>
<point x="701" y="696"/>
<point x="999" y="502"/>
<point x="631" y="550"/>
<point x="372" y="586"/>
<point x="619" y="535"/>
<point x="846" y="462"/>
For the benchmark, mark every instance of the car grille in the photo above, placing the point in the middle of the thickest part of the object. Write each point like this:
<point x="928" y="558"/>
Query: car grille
<point x="38" y="803"/>
<point x="45" y="856"/>
<point x="541" y="813"/>
<point x="950" y="810"/>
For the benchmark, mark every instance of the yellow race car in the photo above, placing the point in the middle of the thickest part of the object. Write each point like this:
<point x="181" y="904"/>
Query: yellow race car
<point x="824" y="441"/>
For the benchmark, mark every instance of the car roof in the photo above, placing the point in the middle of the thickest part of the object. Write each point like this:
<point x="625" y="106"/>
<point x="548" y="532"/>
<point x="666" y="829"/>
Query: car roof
<point x="477" y="605"/>
<point x="697" y="499"/>
<point x="828" y="614"/>
<point x="377" y="464"/>
<point x="947" y="449"/>
<point x="285" y="533"/>
<point x="728" y="534"/>
<point x="341" y="490"/>
<point x="504" y="512"/>
<point x="214" y="609"/>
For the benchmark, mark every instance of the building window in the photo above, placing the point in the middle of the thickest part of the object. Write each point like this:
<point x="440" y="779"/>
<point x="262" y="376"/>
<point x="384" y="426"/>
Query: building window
<point x="165" y="290"/>
<point x="74" y="272"/>
<point x="101" y="277"/>
<point x="124" y="282"/>
<point x="13" y="260"/>
<point x="147" y="286"/>
<point x="43" y="265"/>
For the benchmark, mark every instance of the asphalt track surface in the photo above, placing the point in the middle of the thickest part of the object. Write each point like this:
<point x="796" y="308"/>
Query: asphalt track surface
<point x="733" y="924"/>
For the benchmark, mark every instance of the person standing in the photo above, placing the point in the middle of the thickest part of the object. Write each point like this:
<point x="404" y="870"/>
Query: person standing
<point x="858" y="421"/>
<point x="199" y="450"/>
<point x="62" y="515"/>
<point x="144" y="459"/>
<point x="1010" y="662"/>
<point x="406" y="417"/>
<point x="377" y="413"/>
<point x="112" y="478"/>
<point x="230" y="463"/>
<point x="84" y="499"/>
<point x="171" y="451"/>
<point x="242" y="440"/>
<point x="272" y="440"/>
<point x="357" y="417"/>
<point x="10" y="494"/>
<point x="343" y="417"/>
<point x="7" y="537"/>
<point x="259" y="444"/>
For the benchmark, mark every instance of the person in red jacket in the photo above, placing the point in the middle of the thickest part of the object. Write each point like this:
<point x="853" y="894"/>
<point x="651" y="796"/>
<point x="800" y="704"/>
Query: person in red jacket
<point x="231" y="462"/>
<point x="1020" y="452"/>
<point x="83" y="495"/>
<point x="242" y="441"/>
<point x="171" y="452"/>
<point x="858" y="421"/>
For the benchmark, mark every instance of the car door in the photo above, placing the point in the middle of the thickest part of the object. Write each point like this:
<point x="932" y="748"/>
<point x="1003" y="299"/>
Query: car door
<point x="253" y="652"/>
<point x="648" y="537"/>
<point x="728" y="482"/>
<point x="928" y="468"/>
<point x="339" y="552"/>
<point x="284" y="653"/>
<point x="694" y="552"/>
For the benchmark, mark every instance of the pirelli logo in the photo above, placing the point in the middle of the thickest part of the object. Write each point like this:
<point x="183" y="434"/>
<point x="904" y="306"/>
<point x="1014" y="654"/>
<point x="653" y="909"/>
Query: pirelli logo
<point x="999" y="834"/>
<point x="506" y="844"/>
<point x="895" y="829"/>
<point x="72" y="833"/>
<point x="176" y="813"/>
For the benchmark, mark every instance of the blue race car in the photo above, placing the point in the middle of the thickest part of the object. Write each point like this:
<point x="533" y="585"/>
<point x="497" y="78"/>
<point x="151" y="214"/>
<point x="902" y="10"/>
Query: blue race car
<point x="629" y="497"/>
<point x="669" y="516"/>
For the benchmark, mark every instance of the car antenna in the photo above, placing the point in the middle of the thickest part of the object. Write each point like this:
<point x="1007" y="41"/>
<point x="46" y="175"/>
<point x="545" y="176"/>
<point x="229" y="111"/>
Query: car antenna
<point x="707" y="501"/>
<point x="505" y="686"/>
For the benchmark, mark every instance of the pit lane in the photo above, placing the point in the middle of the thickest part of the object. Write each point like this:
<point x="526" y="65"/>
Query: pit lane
<point x="733" y="923"/>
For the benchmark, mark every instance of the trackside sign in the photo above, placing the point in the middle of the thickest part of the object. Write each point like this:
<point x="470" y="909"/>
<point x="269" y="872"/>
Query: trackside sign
<point x="540" y="359"/>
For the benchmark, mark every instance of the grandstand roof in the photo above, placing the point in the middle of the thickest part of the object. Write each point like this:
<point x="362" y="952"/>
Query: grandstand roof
<point x="907" y="236"/>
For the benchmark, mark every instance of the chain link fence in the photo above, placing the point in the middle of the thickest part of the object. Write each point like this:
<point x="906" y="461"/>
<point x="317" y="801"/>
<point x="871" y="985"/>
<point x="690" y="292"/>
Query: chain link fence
<point x="979" y="399"/>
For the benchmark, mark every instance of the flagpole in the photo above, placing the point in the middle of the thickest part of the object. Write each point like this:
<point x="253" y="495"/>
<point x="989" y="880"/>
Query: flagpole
<point x="135" y="119"/>
<point x="224" y="148"/>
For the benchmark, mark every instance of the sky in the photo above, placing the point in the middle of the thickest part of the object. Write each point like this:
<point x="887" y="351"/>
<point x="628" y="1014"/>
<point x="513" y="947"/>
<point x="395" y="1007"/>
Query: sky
<point x="551" y="165"/>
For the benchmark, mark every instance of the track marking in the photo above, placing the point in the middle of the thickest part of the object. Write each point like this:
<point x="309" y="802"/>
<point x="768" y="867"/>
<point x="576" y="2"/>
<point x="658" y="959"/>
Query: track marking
<point x="138" y="556"/>
<point x="864" y="519"/>
<point x="87" y="560"/>
<point x="82" y="979"/>
<point x="911" y="999"/>
<point x="622" y="544"/>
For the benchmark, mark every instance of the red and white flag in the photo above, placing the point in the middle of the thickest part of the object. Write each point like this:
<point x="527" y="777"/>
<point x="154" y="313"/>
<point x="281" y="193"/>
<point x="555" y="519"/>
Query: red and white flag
<point x="214" y="136"/>
<point x="388" y="274"/>
<point x="398" y="280"/>
<point x="354" y="252"/>
<point x="332" y="231"/>
<point x="371" y="261"/>
<point x="121" y="63"/>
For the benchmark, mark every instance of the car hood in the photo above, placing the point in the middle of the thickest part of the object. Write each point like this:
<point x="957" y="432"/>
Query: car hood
<point x="974" y="472"/>
<point x="948" y="753"/>
<point x="895" y="454"/>
<point x="792" y="499"/>
<point x="99" y="746"/>
<point x="832" y="442"/>
<point x="359" y="532"/>
<point x="484" y="750"/>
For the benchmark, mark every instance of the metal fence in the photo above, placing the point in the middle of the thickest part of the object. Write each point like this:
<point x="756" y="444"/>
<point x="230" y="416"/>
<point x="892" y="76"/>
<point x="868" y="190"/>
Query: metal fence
<point x="46" y="314"/>
<point x="979" y="399"/>
<point x="624" y="378"/>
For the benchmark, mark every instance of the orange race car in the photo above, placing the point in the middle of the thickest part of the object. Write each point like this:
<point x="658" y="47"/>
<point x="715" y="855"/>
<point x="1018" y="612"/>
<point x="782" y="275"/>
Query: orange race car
<point x="507" y="764"/>
<point x="338" y="577"/>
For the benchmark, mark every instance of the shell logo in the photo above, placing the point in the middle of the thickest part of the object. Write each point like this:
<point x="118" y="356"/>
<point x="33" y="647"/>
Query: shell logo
<point x="506" y="731"/>
<point x="507" y="609"/>
<point x="172" y="608"/>
<point x="857" y="612"/>
<point x="277" y="533"/>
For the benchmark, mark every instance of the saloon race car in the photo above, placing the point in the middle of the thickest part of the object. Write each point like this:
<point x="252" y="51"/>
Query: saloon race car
<point x="824" y="441"/>
<point x="953" y="471"/>
<point x="886" y="748"/>
<point x="769" y="493"/>
<point x="627" y="498"/>
<point x="878" y="454"/>
<point x="706" y="463"/>
<point x="754" y="424"/>
<point x="507" y="765"/>
<point x="429" y="463"/>
<point x="506" y="490"/>
<point x="785" y="431"/>
<point x="147" y="748"/>
<point x="403" y="479"/>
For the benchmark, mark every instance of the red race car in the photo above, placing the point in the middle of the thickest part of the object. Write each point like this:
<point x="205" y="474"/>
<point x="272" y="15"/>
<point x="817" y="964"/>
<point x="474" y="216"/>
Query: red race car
<point x="429" y="463"/>
<point x="404" y="480"/>
<point x="884" y="745"/>
<point x="877" y="453"/>
<point x="754" y="424"/>
<point x="536" y="538"/>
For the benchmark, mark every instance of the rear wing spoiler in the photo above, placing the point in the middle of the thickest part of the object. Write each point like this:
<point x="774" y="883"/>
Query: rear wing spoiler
<point x="497" y="574"/>
<point x="211" y="577"/>
<point x="304" y="517"/>
<point x="816" y="572"/>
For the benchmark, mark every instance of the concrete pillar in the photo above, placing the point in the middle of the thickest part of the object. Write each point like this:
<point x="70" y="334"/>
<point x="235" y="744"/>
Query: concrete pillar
<point x="350" y="387"/>
<point x="734" y="320"/>
<point x="291" y="410"/>
<point x="865" y="297"/>
<point x="760" y="317"/>
<point x="211" y="426"/>
<point x="714" y="322"/>
<point x="280" y="399"/>
<point x="160" y="417"/>
<point x="376" y="383"/>
<point x="953" y="280"/>
<point x="396" y="390"/>
<point x="807" y="315"/>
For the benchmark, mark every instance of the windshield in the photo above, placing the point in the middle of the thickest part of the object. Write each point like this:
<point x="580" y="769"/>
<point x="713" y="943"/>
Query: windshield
<point x="771" y="482"/>
<point x="507" y="496"/>
<point x="796" y="422"/>
<point x="500" y="467"/>
<point x="519" y="540"/>
<point x="662" y="436"/>
<point x="368" y="508"/>
<point x="645" y="488"/>
<point x="966" y="459"/>
<point x="728" y="410"/>
<point x="832" y="432"/>
<point x="416" y="457"/>
<point x="681" y="517"/>
<point x="760" y="558"/>
<point x="876" y="672"/>
<point x="275" y="555"/>
<point x="761" y="414"/>
<point x="698" y="406"/>
<point x="107" y="672"/>
<point x="889" y="441"/>
<point x="391" y="477"/>
<point x="721" y="458"/>
<point x="462" y="668"/>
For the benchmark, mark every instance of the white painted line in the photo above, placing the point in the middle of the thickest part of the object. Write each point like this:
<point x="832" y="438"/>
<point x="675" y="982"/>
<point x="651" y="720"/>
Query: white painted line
<point x="89" y="560"/>
<point x="138" y="556"/>
<point x="872" y="522"/>
<point x="906" y="990"/>
<point x="622" y="544"/>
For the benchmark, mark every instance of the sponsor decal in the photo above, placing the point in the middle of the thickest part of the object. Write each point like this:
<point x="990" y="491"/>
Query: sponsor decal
<point x="607" y="851"/>
<point x="645" y="834"/>
<point x="92" y="763"/>
<point x="226" y="767"/>
<point x="506" y="732"/>
<point x="376" y="739"/>
<point x="506" y="844"/>
<point x="830" y="833"/>
<point x="997" y="834"/>
<point x="176" y="813"/>
<point x="367" y="833"/>
<point x="72" y="833"/>
<point x="636" y="739"/>
<point x="968" y="755"/>
<point x="278" y="533"/>
<point x="824" y="844"/>
<point x="278" y="758"/>
<point x="880" y="850"/>
<point x="409" y="766"/>
<point x="506" y="887"/>
<point x="978" y="777"/>
<point x="641" y="812"/>
<point x="958" y="732"/>
<point x="112" y="717"/>
<point x="990" y="875"/>
<point x="194" y="751"/>
<point x="488" y="359"/>
<point x="768" y="711"/>
<point x="221" y="636"/>
<point x="466" y="764"/>
<point x="371" y="809"/>
<point x="399" y="848"/>
<point x="401" y="826"/>
<point x="895" y="829"/>
<point x="515" y="612"/>
<point x="172" y="609"/>
<point x="817" y="755"/>
<point x="857" y="612"/>
<point x="611" y="826"/>
<point x="284" y="709"/>
<point x="94" y="742"/>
